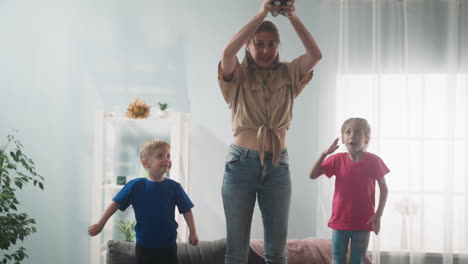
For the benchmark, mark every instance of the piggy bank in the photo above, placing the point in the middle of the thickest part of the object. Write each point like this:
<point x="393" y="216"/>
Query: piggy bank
<point x="281" y="3"/>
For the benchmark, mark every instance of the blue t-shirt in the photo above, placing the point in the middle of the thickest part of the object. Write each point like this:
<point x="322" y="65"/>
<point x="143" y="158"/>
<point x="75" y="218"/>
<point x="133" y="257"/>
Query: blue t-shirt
<point x="154" y="205"/>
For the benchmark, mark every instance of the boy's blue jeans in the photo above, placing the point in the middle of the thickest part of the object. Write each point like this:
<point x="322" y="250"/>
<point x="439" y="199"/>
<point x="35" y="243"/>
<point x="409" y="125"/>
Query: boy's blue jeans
<point x="359" y="243"/>
<point x="245" y="180"/>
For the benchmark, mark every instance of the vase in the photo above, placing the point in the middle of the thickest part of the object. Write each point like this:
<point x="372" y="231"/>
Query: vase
<point x="163" y="113"/>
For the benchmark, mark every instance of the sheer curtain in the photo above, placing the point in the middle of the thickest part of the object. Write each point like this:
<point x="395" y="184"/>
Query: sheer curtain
<point x="402" y="65"/>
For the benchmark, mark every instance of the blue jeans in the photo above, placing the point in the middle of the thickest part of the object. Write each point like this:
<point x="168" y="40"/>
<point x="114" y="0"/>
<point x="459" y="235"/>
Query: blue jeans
<point x="245" y="180"/>
<point x="359" y="243"/>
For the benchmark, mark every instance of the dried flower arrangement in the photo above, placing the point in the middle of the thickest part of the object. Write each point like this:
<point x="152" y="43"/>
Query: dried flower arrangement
<point x="138" y="109"/>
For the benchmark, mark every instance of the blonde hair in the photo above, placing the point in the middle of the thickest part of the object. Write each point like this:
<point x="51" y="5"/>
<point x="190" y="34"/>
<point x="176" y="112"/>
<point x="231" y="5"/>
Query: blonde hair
<point x="149" y="146"/>
<point x="361" y="122"/>
<point x="265" y="26"/>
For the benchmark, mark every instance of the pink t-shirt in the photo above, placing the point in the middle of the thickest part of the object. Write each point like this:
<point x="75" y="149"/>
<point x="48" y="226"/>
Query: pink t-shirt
<point x="354" y="197"/>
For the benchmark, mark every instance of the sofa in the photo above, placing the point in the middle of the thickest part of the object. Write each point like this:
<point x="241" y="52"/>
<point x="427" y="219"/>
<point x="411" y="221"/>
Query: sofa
<point x="206" y="252"/>
<point x="300" y="251"/>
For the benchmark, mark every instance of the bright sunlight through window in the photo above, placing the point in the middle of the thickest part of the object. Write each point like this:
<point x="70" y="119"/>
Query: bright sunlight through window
<point x="419" y="129"/>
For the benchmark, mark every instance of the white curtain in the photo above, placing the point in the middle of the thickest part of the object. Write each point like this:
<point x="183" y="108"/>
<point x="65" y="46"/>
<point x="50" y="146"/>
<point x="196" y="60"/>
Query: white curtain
<point x="402" y="65"/>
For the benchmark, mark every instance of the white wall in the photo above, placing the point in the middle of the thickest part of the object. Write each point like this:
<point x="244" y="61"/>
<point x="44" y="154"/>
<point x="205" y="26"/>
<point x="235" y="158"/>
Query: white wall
<point x="60" y="61"/>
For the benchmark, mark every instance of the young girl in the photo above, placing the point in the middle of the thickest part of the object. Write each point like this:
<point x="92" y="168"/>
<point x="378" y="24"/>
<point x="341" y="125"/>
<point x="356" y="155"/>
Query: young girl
<point x="353" y="215"/>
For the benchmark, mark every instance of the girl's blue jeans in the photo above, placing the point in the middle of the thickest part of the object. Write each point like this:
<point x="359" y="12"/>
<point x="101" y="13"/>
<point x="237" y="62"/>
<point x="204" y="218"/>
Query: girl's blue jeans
<point x="359" y="242"/>
<point x="245" y="181"/>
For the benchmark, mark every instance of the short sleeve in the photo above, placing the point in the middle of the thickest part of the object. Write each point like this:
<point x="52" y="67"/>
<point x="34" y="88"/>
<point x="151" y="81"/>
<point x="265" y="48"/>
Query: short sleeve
<point x="380" y="168"/>
<point x="298" y="83"/>
<point x="329" y="166"/>
<point x="183" y="202"/>
<point x="124" y="196"/>
<point x="229" y="89"/>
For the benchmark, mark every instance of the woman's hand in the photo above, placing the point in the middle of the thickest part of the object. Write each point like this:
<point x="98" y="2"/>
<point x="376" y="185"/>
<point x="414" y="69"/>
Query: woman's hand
<point x="289" y="10"/>
<point x="267" y="6"/>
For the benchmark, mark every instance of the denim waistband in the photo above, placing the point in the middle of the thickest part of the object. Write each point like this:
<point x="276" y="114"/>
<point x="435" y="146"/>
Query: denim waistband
<point x="245" y="152"/>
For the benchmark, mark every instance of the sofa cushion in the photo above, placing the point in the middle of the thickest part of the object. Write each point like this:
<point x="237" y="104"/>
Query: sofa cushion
<point x="206" y="252"/>
<point x="304" y="251"/>
<point x="120" y="252"/>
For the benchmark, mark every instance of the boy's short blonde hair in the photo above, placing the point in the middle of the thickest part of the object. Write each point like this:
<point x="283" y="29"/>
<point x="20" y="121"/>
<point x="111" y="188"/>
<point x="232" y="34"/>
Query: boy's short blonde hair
<point x="150" y="146"/>
<point x="361" y="122"/>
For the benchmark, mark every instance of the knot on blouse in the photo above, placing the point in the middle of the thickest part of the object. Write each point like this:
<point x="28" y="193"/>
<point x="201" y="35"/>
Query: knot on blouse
<point x="275" y="143"/>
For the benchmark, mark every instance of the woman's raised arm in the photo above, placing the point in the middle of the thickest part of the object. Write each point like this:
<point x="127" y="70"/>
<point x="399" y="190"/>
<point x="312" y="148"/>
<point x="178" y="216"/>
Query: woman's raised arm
<point x="229" y="59"/>
<point x="313" y="54"/>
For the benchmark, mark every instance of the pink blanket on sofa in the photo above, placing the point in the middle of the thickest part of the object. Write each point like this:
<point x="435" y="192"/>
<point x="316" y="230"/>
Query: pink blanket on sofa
<point x="302" y="251"/>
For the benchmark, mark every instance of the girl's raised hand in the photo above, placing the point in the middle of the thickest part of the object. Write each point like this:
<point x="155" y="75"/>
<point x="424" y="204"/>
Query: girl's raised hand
<point x="334" y="146"/>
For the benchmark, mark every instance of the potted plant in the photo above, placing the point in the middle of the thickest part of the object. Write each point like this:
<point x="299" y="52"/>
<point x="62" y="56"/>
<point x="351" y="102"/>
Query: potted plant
<point x="127" y="229"/>
<point x="162" y="109"/>
<point x="16" y="171"/>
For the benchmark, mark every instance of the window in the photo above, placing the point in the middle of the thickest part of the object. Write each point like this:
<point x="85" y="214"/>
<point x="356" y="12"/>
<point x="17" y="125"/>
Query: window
<point x="419" y="129"/>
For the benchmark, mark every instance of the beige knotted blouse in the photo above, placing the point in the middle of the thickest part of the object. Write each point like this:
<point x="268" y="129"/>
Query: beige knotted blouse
<point x="263" y="105"/>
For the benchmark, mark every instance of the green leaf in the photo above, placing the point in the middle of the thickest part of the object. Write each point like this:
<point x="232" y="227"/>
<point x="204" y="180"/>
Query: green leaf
<point x="19" y="184"/>
<point x="13" y="155"/>
<point x="16" y="171"/>
<point x="6" y="195"/>
<point x="126" y="228"/>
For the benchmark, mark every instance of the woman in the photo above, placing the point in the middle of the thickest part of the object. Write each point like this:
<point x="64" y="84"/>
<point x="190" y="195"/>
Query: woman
<point x="260" y="92"/>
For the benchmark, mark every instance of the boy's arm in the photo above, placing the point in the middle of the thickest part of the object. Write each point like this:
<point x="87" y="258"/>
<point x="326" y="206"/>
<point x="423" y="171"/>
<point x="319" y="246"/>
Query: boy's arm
<point x="375" y="220"/>
<point x="193" y="237"/>
<point x="96" y="228"/>
<point x="317" y="169"/>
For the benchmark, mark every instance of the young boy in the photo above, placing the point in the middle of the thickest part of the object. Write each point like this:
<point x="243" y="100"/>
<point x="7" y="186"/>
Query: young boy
<point x="153" y="200"/>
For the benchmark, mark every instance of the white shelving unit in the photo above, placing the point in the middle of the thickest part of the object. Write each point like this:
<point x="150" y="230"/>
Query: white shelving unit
<point x="116" y="153"/>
